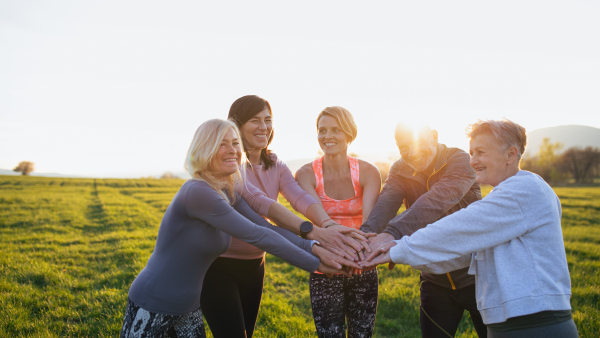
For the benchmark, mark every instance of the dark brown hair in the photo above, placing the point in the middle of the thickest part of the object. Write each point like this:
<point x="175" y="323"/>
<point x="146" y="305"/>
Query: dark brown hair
<point x="245" y="108"/>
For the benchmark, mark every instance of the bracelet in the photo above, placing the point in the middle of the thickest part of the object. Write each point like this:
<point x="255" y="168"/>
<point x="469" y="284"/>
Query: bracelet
<point x="325" y="227"/>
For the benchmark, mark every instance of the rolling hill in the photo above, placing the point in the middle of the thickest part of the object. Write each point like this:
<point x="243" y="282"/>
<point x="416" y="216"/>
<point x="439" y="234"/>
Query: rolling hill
<point x="568" y="135"/>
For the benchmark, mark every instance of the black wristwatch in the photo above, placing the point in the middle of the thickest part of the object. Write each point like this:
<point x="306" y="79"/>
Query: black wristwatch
<point x="305" y="228"/>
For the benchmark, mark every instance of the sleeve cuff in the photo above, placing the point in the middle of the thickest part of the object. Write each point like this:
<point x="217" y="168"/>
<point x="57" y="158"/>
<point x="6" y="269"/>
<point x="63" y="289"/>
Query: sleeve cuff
<point x="366" y="228"/>
<point x="397" y="253"/>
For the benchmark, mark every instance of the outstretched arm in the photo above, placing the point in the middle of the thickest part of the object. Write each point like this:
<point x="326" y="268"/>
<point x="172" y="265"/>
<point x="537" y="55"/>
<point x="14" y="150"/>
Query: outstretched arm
<point x="204" y="203"/>
<point x="282" y="216"/>
<point x="484" y="224"/>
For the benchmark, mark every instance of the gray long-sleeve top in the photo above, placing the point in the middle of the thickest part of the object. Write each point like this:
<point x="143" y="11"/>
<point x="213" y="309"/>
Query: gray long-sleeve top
<point x="196" y="229"/>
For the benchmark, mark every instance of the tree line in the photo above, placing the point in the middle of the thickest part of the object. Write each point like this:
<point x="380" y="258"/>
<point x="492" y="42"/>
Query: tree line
<point x="577" y="165"/>
<point x="574" y="165"/>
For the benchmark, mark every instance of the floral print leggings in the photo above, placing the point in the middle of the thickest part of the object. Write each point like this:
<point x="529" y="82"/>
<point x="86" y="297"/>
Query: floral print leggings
<point x="140" y="323"/>
<point x="339" y="298"/>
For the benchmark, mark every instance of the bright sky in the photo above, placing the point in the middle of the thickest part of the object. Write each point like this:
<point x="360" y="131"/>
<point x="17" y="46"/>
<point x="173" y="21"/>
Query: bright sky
<point x="117" y="88"/>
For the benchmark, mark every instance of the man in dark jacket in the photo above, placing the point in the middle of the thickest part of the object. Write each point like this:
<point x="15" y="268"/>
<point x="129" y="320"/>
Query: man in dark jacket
<point x="432" y="181"/>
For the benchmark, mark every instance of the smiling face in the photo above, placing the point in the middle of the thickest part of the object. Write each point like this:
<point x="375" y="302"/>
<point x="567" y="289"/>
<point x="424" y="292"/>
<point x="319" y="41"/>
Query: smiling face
<point x="420" y="151"/>
<point x="226" y="161"/>
<point x="492" y="162"/>
<point x="331" y="137"/>
<point x="257" y="131"/>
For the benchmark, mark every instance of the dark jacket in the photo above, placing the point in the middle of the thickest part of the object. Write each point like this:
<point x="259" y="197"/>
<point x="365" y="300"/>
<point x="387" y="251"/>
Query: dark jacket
<point x="449" y="188"/>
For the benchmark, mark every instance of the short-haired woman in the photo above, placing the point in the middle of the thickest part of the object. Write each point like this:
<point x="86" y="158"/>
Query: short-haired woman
<point x="347" y="188"/>
<point x="233" y="284"/>
<point x="512" y="240"/>
<point x="164" y="299"/>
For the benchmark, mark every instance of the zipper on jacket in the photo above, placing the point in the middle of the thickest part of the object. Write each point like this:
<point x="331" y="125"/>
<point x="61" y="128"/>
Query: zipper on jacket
<point x="451" y="282"/>
<point x="435" y="172"/>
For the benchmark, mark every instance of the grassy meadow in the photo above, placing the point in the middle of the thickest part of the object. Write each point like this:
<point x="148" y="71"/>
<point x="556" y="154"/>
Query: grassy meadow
<point x="70" y="248"/>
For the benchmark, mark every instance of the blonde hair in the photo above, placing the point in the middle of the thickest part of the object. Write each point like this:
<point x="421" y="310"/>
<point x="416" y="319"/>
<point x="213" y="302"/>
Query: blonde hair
<point x="344" y="119"/>
<point x="200" y="160"/>
<point x="505" y="131"/>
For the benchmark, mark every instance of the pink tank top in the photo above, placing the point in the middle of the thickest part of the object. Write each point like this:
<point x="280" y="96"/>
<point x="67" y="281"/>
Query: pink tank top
<point x="345" y="212"/>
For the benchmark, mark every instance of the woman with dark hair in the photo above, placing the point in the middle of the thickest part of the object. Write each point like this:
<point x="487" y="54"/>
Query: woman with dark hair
<point x="348" y="189"/>
<point x="233" y="285"/>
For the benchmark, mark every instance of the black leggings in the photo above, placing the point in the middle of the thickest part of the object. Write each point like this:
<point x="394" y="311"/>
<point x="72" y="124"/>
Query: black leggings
<point x="445" y="307"/>
<point x="561" y="330"/>
<point x="231" y="295"/>
<point x="335" y="299"/>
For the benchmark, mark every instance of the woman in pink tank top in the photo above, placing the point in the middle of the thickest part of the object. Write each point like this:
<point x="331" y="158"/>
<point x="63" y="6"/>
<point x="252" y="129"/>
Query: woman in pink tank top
<point x="347" y="188"/>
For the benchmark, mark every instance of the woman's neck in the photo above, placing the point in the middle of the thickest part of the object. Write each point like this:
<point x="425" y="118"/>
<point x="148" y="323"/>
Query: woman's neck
<point x="336" y="164"/>
<point x="254" y="156"/>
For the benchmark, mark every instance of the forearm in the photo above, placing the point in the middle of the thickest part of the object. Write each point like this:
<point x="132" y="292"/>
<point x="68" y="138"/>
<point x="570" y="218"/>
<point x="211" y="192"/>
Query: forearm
<point x="484" y="224"/>
<point x="443" y="266"/>
<point x="245" y="210"/>
<point x="317" y="215"/>
<point x="387" y="205"/>
<point x="285" y="218"/>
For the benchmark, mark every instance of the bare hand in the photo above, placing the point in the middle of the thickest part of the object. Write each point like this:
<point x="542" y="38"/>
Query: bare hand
<point x="333" y="260"/>
<point x="334" y="240"/>
<point x="378" y="242"/>
<point x="382" y="258"/>
<point x="329" y="271"/>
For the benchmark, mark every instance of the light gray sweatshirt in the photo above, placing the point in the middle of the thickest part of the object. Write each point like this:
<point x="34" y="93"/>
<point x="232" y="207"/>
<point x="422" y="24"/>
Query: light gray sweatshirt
<point x="512" y="240"/>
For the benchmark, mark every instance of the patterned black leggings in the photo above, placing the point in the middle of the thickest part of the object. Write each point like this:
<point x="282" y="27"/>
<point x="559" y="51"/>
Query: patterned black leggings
<point x="333" y="300"/>
<point x="140" y="323"/>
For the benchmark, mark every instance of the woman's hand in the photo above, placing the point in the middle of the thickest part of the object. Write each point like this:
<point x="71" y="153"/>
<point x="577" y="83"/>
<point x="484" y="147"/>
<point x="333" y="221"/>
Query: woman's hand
<point x="331" y="259"/>
<point x="334" y="240"/>
<point x="382" y="258"/>
<point x="379" y="242"/>
<point x="329" y="271"/>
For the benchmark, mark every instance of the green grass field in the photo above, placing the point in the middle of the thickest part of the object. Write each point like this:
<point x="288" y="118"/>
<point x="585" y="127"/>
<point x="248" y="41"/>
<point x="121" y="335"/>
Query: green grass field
<point x="70" y="248"/>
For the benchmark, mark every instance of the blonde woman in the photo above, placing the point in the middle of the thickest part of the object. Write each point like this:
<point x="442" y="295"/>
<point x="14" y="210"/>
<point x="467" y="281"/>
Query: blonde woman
<point x="197" y="227"/>
<point x="347" y="188"/>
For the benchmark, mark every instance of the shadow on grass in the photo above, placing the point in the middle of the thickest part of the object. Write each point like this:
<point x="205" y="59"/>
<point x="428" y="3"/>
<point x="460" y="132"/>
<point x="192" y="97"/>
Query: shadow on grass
<point x="96" y="214"/>
<point x="36" y="279"/>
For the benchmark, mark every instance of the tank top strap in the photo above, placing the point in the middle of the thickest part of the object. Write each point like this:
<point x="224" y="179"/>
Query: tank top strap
<point x="355" y="174"/>
<point x="317" y="166"/>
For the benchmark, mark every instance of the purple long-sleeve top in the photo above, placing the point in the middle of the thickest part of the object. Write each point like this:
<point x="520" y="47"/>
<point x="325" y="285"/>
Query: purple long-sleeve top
<point x="260" y="189"/>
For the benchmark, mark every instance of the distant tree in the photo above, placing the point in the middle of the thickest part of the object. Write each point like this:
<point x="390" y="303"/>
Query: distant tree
<point x="580" y="162"/>
<point x="168" y="175"/>
<point x="545" y="162"/>
<point x="24" y="167"/>
<point x="384" y="169"/>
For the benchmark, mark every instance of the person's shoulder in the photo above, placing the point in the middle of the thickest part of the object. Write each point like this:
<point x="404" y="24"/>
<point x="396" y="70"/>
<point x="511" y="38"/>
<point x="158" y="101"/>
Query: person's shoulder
<point x="274" y="157"/>
<point x="526" y="185"/>
<point x="455" y="153"/>
<point x="367" y="166"/>
<point x="305" y="170"/>
<point x="279" y="164"/>
<point x="198" y="188"/>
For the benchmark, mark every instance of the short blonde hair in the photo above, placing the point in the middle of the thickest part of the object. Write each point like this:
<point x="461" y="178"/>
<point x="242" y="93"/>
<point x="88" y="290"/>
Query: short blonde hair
<point x="344" y="119"/>
<point x="505" y="131"/>
<point x="200" y="160"/>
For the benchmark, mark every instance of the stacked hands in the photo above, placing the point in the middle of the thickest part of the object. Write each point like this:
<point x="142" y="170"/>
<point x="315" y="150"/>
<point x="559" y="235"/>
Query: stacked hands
<point x="348" y="251"/>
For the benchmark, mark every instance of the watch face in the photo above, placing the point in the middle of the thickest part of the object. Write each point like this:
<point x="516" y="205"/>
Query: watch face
<point x="306" y="227"/>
